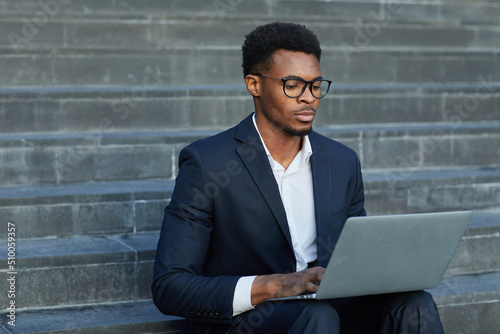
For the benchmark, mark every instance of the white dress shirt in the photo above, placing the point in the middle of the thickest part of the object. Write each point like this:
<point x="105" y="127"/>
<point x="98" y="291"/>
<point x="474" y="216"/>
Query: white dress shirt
<point x="296" y="189"/>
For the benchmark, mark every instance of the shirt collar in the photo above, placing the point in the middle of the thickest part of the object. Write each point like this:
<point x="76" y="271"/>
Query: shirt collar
<point x="304" y="154"/>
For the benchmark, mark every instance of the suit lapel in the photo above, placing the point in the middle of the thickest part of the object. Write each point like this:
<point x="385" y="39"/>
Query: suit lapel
<point x="253" y="155"/>
<point x="321" y="183"/>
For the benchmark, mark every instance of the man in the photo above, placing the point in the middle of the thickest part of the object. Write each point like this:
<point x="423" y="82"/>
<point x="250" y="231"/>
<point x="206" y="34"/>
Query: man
<point x="257" y="210"/>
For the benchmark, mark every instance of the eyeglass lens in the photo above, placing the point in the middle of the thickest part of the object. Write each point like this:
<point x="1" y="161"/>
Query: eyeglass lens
<point x="295" y="87"/>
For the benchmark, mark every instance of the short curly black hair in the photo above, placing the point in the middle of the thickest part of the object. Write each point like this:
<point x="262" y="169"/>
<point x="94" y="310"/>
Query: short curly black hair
<point x="265" y="40"/>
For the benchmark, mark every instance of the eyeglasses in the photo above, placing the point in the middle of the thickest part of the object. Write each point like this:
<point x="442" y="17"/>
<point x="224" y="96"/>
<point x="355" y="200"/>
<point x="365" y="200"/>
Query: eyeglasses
<point x="295" y="87"/>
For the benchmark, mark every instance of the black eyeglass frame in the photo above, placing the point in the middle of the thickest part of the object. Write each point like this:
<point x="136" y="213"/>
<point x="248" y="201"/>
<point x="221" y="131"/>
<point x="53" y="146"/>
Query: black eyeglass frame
<point x="310" y="83"/>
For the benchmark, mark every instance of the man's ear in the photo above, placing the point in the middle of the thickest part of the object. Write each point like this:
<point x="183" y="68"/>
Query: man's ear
<point x="253" y="84"/>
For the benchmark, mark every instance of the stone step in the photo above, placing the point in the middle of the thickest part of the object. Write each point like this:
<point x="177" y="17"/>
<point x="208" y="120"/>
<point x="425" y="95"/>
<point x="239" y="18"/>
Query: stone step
<point x="478" y="251"/>
<point x="484" y="12"/>
<point x="82" y="32"/>
<point x="104" y="208"/>
<point x="410" y="190"/>
<point x="157" y="107"/>
<point x="44" y="158"/>
<point x="108" y="208"/>
<point x="131" y="317"/>
<point x="96" y="283"/>
<point x="469" y="303"/>
<point x="222" y="66"/>
<point x="120" y="267"/>
<point x="82" y="270"/>
<point x="466" y="303"/>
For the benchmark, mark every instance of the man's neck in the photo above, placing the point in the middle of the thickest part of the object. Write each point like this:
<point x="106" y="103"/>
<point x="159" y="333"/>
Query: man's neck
<point x="282" y="146"/>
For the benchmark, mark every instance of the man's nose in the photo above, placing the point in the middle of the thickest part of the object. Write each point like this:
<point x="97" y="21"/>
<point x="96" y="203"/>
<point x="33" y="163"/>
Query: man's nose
<point x="307" y="95"/>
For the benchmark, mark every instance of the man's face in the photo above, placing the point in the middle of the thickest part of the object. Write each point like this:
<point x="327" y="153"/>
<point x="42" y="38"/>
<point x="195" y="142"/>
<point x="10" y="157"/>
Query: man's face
<point x="293" y="116"/>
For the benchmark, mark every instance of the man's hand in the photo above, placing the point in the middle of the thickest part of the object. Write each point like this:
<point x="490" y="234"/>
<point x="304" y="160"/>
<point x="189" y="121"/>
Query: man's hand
<point x="285" y="285"/>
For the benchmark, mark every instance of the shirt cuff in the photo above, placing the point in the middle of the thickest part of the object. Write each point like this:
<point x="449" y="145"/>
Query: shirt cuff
<point x="242" y="300"/>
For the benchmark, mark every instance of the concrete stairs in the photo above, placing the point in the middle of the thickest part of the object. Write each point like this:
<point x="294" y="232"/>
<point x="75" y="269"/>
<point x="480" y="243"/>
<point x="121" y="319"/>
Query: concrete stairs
<point x="97" y="100"/>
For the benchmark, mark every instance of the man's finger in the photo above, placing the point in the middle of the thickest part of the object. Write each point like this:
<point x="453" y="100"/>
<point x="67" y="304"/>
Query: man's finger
<point x="311" y="287"/>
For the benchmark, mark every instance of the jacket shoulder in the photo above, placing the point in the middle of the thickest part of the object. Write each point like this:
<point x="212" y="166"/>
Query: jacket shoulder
<point x="225" y="142"/>
<point x="213" y="144"/>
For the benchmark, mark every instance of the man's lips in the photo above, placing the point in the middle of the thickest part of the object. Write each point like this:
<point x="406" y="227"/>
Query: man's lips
<point x="305" y="116"/>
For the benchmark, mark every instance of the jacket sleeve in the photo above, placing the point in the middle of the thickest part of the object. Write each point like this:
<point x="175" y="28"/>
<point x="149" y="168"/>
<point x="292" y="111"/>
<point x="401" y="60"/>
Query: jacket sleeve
<point x="179" y="288"/>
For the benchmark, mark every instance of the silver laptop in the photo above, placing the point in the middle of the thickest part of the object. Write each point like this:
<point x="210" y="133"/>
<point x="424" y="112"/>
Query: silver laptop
<point x="385" y="254"/>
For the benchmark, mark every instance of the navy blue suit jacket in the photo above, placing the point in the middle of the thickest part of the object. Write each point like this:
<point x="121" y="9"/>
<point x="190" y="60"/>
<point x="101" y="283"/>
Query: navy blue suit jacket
<point x="226" y="220"/>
